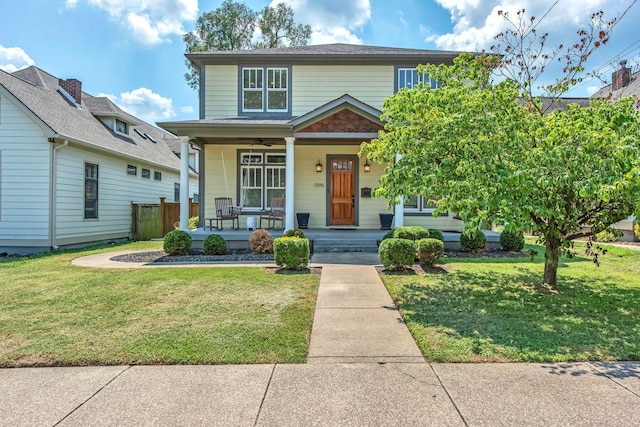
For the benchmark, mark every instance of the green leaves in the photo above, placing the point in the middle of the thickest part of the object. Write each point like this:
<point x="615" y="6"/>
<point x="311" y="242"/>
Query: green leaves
<point x="486" y="155"/>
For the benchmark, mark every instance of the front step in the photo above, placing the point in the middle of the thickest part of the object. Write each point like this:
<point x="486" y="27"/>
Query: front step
<point x="342" y="245"/>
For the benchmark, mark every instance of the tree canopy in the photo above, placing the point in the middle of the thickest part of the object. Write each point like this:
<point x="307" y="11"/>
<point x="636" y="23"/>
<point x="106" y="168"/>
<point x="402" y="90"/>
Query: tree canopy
<point x="235" y="26"/>
<point x="495" y="152"/>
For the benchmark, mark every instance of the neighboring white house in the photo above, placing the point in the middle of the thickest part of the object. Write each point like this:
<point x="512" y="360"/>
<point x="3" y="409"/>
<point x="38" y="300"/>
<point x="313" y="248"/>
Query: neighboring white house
<point x="71" y="164"/>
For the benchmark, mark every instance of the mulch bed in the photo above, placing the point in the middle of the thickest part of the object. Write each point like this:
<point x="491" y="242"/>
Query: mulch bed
<point x="199" y="257"/>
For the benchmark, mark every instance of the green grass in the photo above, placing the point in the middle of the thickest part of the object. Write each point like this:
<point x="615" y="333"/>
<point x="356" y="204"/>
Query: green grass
<point x="55" y="314"/>
<point x="491" y="309"/>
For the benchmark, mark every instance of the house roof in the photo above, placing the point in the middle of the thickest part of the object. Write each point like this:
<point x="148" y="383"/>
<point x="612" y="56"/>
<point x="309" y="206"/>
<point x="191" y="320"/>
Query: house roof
<point x="327" y="53"/>
<point x="38" y="92"/>
<point x="633" y="88"/>
<point x="274" y="130"/>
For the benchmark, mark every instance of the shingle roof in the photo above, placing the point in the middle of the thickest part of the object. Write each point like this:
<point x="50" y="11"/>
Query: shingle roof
<point x="38" y="91"/>
<point x="633" y="88"/>
<point x="339" y="52"/>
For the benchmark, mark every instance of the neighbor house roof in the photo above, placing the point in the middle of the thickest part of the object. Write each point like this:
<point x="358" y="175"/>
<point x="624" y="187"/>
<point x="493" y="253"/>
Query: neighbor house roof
<point x="631" y="89"/>
<point x="38" y="91"/>
<point x="326" y="53"/>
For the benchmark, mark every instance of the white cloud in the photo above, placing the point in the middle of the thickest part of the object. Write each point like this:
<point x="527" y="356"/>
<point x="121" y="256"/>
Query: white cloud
<point x="188" y="109"/>
<point x="71" y="3"/>
<point x="476" y="22"/>
<point x="150" y="21"/>
<point x="332" y="21"/>
<point x="144" y="104"/>
<point x="14" y="59"/>
<point x="592" y="89"/>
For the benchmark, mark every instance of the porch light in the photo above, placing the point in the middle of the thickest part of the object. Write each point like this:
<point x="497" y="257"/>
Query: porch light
<point x="319" y="166"/>
<point x="367" y="166"/>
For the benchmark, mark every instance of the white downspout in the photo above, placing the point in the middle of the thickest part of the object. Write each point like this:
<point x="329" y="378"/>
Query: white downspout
<point x="184" y="185"/>
<point x="289" y="177"/>
<point x="52" y="193"/>
<point x="400" y="206"/>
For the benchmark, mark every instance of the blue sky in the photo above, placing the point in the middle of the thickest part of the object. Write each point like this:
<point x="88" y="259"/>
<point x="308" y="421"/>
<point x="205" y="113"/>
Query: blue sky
<point x="132" y="50"/>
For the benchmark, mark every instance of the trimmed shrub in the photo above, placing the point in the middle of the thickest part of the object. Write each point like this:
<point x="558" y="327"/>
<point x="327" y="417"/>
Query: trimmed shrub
<point x="472" y="240"/>
<point x="636" y="230"/>
<point x="396" y="254"/>
<point x="296" y="232"/>
<point x="429" y="251"/>
<point x="214" y="244"/>
<point x="411" y="233"/>
<point x="261" y="242"/>
<point x="291" y="252"/>
<point x="177" y="242"/>
<point x="193" y="222"/>
<point x="435" y="234"/>
<point x="512" y="240"/>
<point x="609" y="235"/>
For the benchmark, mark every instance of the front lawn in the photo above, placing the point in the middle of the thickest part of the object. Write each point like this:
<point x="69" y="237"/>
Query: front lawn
<point x="489" y="309"/>
<point x="55" y="314"/>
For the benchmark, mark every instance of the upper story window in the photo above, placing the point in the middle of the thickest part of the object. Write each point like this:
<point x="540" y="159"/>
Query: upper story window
<point x="265" y="90"/>
<point x="122" y="127"/>
<point x="410" y="78"/>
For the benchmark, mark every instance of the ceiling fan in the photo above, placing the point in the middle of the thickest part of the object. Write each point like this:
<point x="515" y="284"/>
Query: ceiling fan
<point x="260" y="141"/>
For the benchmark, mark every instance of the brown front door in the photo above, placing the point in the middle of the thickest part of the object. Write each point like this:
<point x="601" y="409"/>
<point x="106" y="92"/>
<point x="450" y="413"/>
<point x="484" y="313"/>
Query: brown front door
<point x="342" y="192"/>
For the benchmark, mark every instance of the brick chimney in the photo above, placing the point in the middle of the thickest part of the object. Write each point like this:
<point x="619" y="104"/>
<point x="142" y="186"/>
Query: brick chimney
<point x="73" y="87"/>
<point x="621" y="77"/>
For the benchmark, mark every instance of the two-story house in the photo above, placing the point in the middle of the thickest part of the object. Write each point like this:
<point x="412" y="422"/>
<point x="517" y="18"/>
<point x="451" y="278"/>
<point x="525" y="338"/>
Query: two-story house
<point x="290" y="122"/>
<point x="71" y="164"/>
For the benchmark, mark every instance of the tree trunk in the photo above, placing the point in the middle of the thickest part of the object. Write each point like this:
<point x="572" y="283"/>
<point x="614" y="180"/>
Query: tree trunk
<point x="551" y="260"/>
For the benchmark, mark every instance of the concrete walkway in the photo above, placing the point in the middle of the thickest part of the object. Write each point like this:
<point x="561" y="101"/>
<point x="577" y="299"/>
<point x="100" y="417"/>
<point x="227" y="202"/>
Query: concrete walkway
<point x="363" y="369"/>
<point x="356" y="320"/>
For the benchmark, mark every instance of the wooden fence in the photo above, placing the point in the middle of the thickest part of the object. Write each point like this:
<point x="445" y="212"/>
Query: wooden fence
<point x="149" y="221"/>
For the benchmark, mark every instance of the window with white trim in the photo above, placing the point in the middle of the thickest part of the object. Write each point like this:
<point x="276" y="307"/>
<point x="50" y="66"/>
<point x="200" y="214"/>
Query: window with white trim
<point x="122" y="127"/>
<point x="265" y="90"/>
<point x="90" y="191"/>
<point x="411" y="78"/>
<point x="262" y="177"/>
<point x="420" y="204"/>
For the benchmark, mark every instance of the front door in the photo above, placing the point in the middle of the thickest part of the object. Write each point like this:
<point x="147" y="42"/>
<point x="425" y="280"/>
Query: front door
<point x="342" y="191"/>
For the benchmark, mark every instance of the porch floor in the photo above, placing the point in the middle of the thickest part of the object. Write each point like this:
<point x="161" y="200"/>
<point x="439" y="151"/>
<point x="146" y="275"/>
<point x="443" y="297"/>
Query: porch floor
<point x="330" y="240"/>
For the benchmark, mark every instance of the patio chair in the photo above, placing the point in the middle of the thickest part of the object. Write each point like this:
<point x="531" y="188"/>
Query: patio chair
<point x="225" y="210"/>
<point x="273" y="214"/>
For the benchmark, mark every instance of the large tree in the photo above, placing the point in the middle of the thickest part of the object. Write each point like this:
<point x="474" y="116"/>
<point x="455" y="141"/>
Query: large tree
<point x="495" y="152"/>
<point x="233" y="25"/>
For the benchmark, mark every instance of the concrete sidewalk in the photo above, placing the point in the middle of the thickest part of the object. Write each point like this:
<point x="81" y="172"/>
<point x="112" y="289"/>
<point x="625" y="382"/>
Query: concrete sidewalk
<point x="370" y="394"/>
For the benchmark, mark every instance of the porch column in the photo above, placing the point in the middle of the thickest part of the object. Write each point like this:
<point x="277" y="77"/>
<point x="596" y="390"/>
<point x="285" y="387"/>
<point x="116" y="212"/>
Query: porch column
<point x="289" y="177"/>
<point x="400" y="205"/>
<point x="184" y="185"/>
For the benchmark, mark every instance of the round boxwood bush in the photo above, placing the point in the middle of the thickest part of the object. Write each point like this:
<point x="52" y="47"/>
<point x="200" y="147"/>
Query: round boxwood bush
<point x="291" y="252"/>
<point x="411" y="233"/>
<point x="177" y="242"/>
<point x="436" y="234"/>
<point x="429" y="251"/>
<point x="512" y="240"/>
<point x="396" y="254"/>
<point x="473" y="240"/>
<point x="214" y="244"/>
<point x="295" y="232"/>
